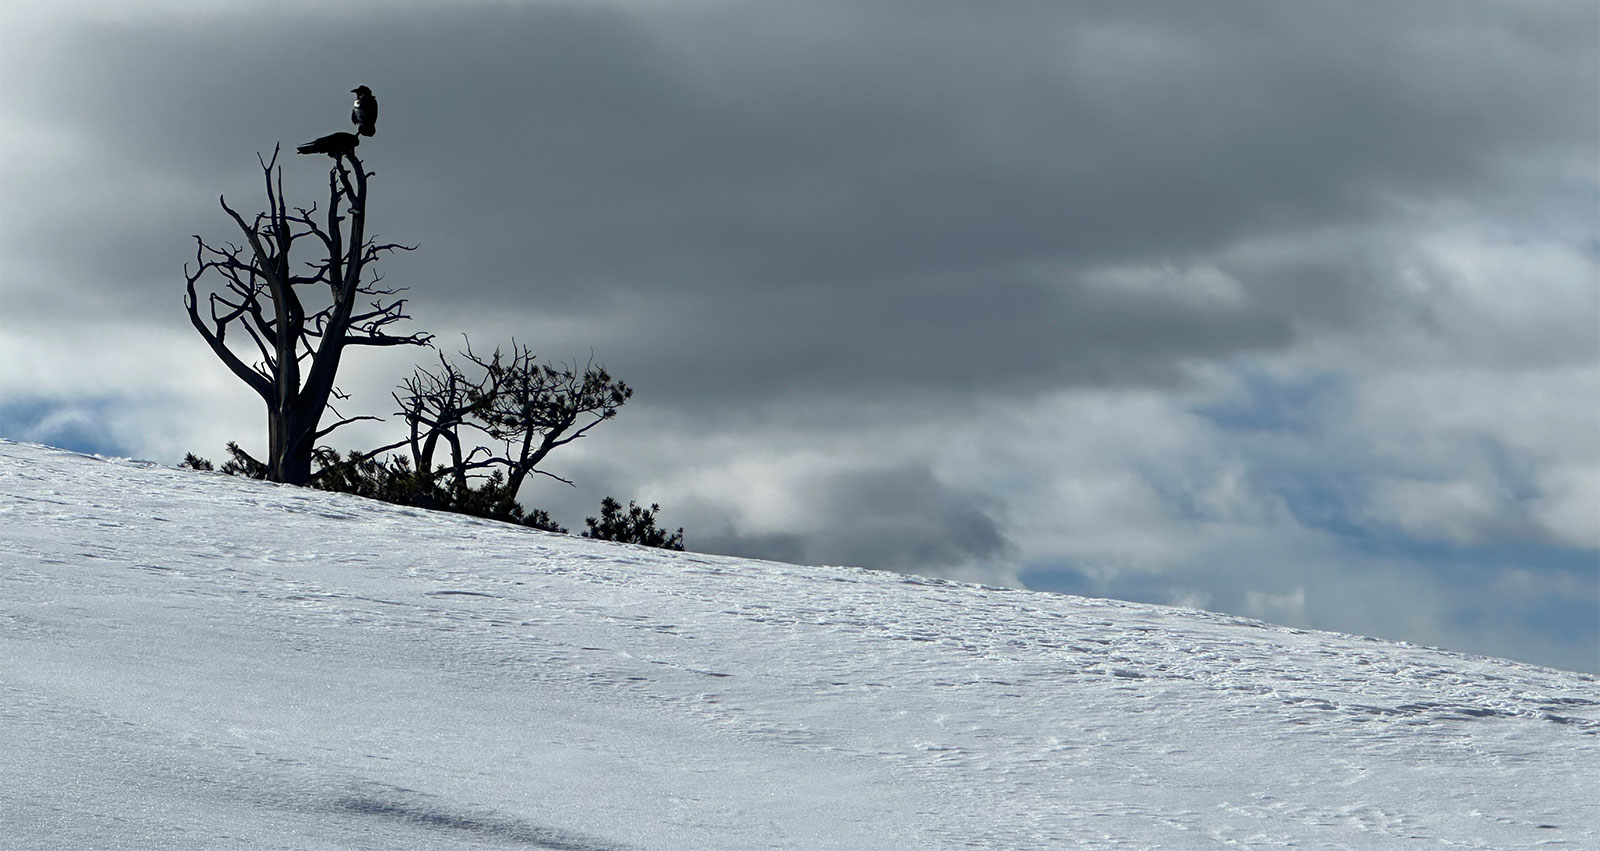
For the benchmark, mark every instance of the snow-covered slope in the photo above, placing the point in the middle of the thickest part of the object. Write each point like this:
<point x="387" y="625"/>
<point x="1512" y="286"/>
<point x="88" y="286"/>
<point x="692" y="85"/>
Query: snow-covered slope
<point x="193" y="661"/>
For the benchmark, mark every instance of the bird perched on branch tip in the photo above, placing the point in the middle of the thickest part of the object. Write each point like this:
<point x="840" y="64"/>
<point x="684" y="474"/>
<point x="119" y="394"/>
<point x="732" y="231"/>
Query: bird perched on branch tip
<point x="334" y="145"/>
<point x="364" y="115"/>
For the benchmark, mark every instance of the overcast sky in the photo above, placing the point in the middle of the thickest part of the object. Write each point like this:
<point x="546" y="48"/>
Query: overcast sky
<point x="1290" y="310"/>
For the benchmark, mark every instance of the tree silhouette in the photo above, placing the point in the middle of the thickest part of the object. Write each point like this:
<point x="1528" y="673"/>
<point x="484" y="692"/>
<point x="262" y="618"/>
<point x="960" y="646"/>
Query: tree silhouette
<point x="297" y="349"/>
<point x="525" y="407"/>
<point x="534" y="408"/>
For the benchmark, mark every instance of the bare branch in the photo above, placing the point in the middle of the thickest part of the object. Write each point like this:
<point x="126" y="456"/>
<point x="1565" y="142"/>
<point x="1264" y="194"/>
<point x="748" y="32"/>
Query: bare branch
<point x="348" y="420"/>
<point x="554" y="476"/>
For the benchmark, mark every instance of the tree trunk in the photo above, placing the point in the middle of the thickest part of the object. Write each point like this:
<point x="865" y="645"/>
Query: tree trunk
<point x="291" y="442"/>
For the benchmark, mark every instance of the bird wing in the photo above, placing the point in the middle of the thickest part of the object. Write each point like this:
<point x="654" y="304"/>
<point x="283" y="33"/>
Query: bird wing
<point x="365" y="115"/>
<point x="333" y="144"/>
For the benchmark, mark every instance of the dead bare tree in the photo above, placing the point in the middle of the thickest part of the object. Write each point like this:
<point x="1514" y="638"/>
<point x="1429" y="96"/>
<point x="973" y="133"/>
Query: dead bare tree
<point x="298" y="349"/>
<point x="526" y="407"/>
<point x="439" y="406"/>
<point x="536" y="408"/>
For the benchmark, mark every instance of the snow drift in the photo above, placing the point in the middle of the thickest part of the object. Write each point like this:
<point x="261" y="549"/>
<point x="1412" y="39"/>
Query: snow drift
<point x="193" y="661"/>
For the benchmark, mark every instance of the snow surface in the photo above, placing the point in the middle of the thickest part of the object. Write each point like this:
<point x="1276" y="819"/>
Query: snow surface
<point x="193" y="661"/>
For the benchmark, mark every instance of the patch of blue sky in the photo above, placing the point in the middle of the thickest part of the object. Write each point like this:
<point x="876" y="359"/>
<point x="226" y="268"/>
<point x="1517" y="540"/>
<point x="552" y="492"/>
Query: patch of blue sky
<point x="1481" y="607"/>
<point x="1277" y="430"/>
<point x="1444" y="558"/>
<point x="1556" y="615"/>
<point x="1270" y="404"/>
<point x="1277" y="433"/>
<point x="78" y="425"/>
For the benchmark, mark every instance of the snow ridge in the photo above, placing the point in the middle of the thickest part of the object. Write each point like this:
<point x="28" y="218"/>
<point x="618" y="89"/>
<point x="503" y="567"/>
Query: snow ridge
<point x="193" y="661"/>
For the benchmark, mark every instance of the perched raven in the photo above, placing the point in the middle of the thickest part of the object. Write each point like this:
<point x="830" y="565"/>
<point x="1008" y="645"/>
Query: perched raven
<point x="364" y="115"/>
<point x="334" y="145"/>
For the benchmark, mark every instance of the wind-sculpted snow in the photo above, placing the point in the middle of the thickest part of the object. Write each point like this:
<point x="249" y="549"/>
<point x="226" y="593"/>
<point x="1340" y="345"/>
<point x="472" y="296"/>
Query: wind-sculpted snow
<point x="193" y="661"/>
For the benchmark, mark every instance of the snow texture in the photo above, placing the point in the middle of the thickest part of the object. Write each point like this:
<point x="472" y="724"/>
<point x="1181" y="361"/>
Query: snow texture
<point x="193" y="661"/>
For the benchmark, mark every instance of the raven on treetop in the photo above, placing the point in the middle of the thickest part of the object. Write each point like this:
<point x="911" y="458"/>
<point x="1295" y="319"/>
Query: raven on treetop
<point x="365" y="112"/>
<point x="334" y="145"/>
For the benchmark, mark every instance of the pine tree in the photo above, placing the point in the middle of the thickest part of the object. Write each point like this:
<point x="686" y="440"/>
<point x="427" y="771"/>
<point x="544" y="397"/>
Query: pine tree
<point x="636" y="526"/>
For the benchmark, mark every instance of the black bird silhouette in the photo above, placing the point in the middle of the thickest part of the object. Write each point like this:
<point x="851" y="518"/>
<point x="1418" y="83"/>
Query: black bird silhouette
<point x="334" y="145"/>
<point x="364" y="115"/>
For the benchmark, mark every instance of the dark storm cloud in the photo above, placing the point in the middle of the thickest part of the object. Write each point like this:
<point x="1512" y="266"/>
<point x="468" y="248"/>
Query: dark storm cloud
<point x="776" y="198"/>
<point x="900" y="518"/>
<point x="1004" y="334"/>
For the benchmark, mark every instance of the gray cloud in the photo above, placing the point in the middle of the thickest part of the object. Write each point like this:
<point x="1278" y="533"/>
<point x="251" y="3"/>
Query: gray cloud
<point x="846" y="194"/>
<point x="892" y="519"/>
